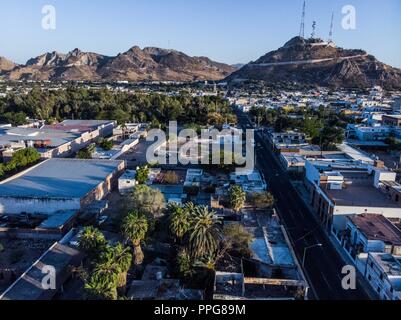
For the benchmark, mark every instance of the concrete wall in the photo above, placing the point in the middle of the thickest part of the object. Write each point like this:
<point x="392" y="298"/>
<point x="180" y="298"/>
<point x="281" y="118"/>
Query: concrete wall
<point x="13" y="205"/>
<point x="35" y="234"/>
<point x="104" y="188"/>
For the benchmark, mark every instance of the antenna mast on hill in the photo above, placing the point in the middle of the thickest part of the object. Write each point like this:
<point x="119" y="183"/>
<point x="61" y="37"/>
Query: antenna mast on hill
<point x="331" y="28"/>
<point x="302" y="29"/>
<point x="313" y="35"/>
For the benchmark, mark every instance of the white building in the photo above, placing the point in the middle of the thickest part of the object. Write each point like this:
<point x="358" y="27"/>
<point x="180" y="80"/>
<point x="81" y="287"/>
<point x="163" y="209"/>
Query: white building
<point x="344" y="188"/>
<point x="370" y="233"/>
<point x="127" y="182"/>
<point x="383" y="273"/>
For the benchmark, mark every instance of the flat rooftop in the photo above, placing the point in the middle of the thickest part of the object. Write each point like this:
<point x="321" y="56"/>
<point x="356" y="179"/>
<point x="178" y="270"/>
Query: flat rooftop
<point x="377" y="227"/>
<point x="59" y="178"/>
<point x="360" y="192"/>
<point x="55" y="137"/>
<point x="79" y="125"/>
<point x="355" y="153"/>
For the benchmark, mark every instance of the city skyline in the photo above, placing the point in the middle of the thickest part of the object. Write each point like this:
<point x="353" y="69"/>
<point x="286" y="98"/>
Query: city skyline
<point x="220" y="31"/>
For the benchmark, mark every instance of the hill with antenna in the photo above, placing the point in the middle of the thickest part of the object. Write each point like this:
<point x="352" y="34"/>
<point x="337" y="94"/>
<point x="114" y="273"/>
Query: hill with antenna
<point x="313" y="61"/>
<point x="317" y="62"/>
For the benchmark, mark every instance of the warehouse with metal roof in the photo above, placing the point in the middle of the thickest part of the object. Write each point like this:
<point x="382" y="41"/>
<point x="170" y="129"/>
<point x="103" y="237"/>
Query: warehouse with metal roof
<point x="59" y="185"/>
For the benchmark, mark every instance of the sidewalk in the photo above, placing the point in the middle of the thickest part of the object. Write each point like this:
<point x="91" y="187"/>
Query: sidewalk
<point x="299" y="186"/>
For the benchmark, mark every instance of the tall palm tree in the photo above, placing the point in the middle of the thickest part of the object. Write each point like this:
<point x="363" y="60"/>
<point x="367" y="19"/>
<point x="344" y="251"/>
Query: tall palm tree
<point x="205" y="232"/>
<point x="134" y="228"/>
<point x="92" y="241"/>
<point x="179" y="220"/>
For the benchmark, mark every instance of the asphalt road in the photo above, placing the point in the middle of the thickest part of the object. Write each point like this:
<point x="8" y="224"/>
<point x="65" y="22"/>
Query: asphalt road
<point x="323" y="265"/>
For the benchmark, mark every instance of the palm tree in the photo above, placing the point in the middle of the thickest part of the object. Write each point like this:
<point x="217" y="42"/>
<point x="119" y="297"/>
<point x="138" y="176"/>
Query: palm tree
<point x="237" y="197"/>
<point x="110" y="273"/>
<point x="205" y="232"/>
<point x="179" y="220"/>
<point x="185" y="264"/>
<point x="208" y="261"/>
<point x="134" y="228"/>
<point x="100" y="287"/>
<point x="92" y="242"/>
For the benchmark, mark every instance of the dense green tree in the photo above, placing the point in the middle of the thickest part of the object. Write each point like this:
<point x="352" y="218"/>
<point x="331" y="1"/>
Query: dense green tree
<point x="237" y="240"/>
<point x="262" y="199"/>
<point x="142" y="174"/>
<point x="148" y="200"/>
<point x="81" y="103"/>
<point x="106" y="144"/>
<point x="84" y="154"/>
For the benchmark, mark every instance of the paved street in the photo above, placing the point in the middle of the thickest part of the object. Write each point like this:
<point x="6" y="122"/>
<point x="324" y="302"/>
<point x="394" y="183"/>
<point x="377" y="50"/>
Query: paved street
<point x="323" y="265"/>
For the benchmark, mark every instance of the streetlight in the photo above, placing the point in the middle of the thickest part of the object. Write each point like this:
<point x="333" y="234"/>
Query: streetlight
<point x="306" y="249"/>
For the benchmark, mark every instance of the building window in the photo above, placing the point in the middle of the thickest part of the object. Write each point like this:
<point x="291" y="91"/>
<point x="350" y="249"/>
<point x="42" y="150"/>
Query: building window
<point x="379" y="289"/>
<point x="369" y="277"/>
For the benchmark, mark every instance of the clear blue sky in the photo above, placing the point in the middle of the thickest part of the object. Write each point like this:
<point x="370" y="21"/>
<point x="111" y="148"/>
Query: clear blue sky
<point x="231" y="31"/>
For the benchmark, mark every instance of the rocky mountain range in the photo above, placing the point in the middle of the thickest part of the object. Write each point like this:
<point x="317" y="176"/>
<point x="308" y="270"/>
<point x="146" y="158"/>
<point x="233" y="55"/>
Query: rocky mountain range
<point x="148" y="64"/>
<point x="316" y="62"/>
<point x="302" y="61"/>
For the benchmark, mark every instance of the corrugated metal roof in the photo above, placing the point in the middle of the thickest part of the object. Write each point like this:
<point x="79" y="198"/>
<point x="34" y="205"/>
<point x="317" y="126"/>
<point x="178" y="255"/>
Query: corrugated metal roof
<point x="59" y="178"/>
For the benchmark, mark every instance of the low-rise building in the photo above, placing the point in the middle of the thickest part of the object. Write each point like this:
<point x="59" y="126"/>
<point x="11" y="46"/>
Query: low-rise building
<point x="55" y="141"/>
<point x="59" y="185"/>
<point x="393" y="120"/>
<point x="383" y="273"/>
<point x="343" y="188"/>
<point x="293" y="161"/>
<point x="253" y="182"/>
<point x="127" y="182"/>
<point x="273" y="272"/>
<point x="370" y="233"/>
<point x="289" y="141"/>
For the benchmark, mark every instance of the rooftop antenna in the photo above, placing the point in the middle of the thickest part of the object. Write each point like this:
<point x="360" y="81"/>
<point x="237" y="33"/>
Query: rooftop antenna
<point x="313" y="35"/>
<point x="302" y="29"/>
<point x="331" y="28"/>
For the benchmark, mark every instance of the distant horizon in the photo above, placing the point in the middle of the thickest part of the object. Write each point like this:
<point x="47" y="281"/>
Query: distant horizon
<point x="230" y="33"/>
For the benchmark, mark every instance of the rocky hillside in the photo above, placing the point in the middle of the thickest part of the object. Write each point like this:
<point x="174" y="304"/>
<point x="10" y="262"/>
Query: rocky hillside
<point x="6" y="65"/>
<point x="313" y="61"/>
<point x="149" y="64"/>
